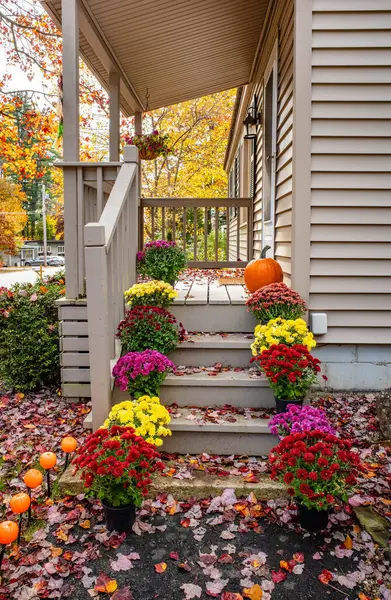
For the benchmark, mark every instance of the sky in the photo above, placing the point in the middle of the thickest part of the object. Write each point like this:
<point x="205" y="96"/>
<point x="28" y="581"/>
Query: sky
<point x="20" y="80"/>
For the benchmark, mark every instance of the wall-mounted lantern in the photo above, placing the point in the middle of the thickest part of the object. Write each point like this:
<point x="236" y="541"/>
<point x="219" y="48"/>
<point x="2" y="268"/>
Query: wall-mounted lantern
<point x="252" y="119"/>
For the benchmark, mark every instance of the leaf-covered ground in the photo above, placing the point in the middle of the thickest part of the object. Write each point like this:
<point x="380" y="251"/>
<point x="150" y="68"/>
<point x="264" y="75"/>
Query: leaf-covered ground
<point x="223" y="547"/>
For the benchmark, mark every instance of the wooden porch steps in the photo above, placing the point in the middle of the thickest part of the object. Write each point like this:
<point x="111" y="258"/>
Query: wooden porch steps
<point x="228" y="349"/>
<point x="239" y="389"/>
<point x="233" y="434"/>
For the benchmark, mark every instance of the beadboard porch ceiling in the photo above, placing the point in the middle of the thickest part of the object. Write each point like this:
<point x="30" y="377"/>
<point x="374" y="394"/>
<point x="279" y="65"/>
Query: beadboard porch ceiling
<point x="179" y="49"/>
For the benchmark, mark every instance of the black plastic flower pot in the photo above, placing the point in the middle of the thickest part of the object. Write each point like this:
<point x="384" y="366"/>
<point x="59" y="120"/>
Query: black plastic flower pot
<point x="119" y="518"/>
<point x="282" y="405"/>
<point x="312" y="519"/>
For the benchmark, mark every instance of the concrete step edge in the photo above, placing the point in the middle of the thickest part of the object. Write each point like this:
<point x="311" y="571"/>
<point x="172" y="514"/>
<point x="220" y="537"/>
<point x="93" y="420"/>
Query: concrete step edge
<point x="240" y="425"/>
<point x="203" y="485"/>
<point x="230" y="341"/>
<point x="224" y="379"/>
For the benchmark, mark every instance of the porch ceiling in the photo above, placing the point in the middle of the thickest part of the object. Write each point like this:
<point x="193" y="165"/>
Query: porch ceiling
<point x="179" y="49"/>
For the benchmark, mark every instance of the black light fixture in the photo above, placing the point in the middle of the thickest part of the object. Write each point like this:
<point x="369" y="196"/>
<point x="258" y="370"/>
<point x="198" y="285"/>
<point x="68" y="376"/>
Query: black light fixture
<point x="252" y="119"/>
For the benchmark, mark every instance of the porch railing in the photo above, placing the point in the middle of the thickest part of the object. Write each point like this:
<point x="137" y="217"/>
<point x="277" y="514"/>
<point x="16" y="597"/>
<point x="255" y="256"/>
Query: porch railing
<point x="110" y="266"/>
<point x="87" y="187"/>
<point x="214" y="232"/>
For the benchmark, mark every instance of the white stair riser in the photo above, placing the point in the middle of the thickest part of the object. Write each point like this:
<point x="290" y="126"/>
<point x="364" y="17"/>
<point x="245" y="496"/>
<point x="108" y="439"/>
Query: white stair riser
<point x="240" y="397"/>
<point x="206" y="357"/>
<point x="230" y="319"/>
<point x="196" y="442"/>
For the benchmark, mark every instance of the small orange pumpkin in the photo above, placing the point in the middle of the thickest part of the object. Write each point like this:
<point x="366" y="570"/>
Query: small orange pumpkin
<point x="68" y="444"/>
<point x="47" y="460"/>
<point x="33" y="478"/>
<point x="8" y="532"/>
<point x="262" y="271"/>
<point x="20" y="503"/>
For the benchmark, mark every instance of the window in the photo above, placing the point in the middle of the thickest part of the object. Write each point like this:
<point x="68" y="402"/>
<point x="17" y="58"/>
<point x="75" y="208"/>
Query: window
<point x="41" y="250"/>
<point x="60" y="250"/>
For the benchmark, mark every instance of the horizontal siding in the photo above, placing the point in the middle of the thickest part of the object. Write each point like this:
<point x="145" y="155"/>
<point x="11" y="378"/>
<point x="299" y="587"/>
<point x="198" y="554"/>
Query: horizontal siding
<point x="283" y="207"/>
<point x="350" y="272"/>
<point x="281" y="27"/>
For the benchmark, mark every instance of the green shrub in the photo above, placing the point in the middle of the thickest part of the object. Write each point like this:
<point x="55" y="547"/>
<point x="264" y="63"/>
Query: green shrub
<point x="29" y="347"/>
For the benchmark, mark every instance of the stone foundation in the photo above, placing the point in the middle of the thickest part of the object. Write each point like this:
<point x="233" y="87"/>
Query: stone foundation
<point x="355" y="367"/>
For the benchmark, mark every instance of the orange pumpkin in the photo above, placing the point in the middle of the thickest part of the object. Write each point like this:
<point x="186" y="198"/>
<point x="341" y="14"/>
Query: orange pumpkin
<point x="33" y="478"/>
<point x="47" y="460"/>
<point x="8" y="532"/>
<point x="20" y="503"/>
<point x="68" y="444"/>
<point x="262" y="271"/>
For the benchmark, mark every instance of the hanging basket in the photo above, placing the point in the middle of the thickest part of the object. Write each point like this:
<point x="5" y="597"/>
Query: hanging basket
<point x="145" y="154"/>
<point x="150" y="145"/>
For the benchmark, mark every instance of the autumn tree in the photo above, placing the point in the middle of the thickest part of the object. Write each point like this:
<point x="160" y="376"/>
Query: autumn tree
<point x="198" y="131"/>
<point x="13" y="217"/>
<point x="27" y="152"/>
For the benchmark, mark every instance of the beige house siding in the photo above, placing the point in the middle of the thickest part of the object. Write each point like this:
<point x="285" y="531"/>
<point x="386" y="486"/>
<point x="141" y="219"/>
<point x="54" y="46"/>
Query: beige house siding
<point x="279" y="28"/>
<point x="283" y="209"/>
<point x="350" y="256"/>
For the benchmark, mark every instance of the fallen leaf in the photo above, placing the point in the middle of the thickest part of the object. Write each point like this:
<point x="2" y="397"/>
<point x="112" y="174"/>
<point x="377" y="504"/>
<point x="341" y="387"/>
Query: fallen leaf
<point x="254" y="593"/>
<point x="348" y="543"/>
<point x="325" y="577"/>
<point x="231" y="596"/>
<point x="105" y="584"/>
<point x="298" y="557"/>
<point x="123" y="594"/>
<point x="174" y="555"/>
<point x="184" y="567"/>
<point x="85" y="524"/>
<point x="160" y="567"/>
<point x="191" y="590"/>
<point x="278" y="576"/>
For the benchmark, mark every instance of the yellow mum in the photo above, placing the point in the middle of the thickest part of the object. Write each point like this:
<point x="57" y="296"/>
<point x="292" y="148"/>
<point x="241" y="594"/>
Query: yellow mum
<point x="150" y="293"/>
<point x="282" y="331"/>
<point x="146" y="415"/>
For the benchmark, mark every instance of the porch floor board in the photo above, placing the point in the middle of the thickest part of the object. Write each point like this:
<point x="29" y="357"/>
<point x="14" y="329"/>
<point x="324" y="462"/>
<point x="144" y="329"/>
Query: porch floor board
<point x="202" y="292"/>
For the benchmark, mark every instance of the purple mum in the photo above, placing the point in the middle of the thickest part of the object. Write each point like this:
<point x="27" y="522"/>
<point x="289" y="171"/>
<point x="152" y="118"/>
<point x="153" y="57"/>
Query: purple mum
<point x="299" y="419"/>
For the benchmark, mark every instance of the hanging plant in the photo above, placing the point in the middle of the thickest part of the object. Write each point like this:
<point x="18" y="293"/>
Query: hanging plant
<point x="151" y="145"/>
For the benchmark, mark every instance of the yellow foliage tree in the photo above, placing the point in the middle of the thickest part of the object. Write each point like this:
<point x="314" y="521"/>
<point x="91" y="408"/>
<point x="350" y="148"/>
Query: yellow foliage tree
<point x="198" y="131"/>
<point x="13" y="217"/>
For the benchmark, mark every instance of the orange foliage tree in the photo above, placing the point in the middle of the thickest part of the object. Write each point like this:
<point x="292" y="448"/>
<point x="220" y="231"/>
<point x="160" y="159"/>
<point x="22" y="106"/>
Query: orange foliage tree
<point x="13" y="217"/>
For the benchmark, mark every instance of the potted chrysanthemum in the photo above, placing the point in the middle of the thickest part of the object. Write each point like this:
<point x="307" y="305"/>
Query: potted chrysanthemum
<point x="276" y="300"/>
<point x="319" y="469"/>
<point x="116" y="466"/>
<point x="291" y="371"/>
<point x="161" y="260"/>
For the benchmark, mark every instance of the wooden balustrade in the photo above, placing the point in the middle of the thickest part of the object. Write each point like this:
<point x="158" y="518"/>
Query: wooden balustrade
<point x="214" y="232"/>
<point x="87" y="187"/>
<point x="110" y="251"/>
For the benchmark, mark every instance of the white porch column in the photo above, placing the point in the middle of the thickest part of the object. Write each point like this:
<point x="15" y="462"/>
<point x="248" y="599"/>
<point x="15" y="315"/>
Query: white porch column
<point x="70" y="57"/>
<point x="114" y="94"/>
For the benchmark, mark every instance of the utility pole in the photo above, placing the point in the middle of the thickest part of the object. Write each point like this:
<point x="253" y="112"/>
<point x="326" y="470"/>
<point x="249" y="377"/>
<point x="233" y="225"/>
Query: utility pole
<point x="45" y="241"/>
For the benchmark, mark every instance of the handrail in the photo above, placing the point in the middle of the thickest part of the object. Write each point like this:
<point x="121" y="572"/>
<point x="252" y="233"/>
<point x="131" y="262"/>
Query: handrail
<point x="110" y="257"/>
<point x="101" y="233"/>
<point x="197" y="202"/>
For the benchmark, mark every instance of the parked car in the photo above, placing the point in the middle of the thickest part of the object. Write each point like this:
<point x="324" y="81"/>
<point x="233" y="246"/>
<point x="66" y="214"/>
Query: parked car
<point x="55" y="261"/>
<point x="33" y="262"/>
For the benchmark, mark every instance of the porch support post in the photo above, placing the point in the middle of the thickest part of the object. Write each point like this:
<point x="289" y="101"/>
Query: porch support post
<point x="301" y="177"/>
<point x="70" y="37"/>
<point x="138" y="130"/>
<point x="114" y="93"/>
